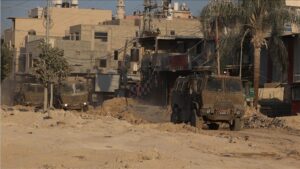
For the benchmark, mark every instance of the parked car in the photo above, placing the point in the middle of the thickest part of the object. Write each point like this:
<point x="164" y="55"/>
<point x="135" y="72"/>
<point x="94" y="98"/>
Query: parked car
<point x="211" y="99"/>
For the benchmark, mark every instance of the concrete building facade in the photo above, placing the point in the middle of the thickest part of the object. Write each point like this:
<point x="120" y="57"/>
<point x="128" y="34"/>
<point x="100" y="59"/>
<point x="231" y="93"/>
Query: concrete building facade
<point x="61" y="20"/>
<point x="88" y="47"/>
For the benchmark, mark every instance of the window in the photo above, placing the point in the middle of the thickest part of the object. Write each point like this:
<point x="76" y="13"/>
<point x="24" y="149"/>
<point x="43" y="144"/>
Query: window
<point x="30" y="88"/>
<point x="80" y="87"/>
<point x="101" y="35"/>
<point x="233" y="85"/>
<point x="214" y="84"/>
<point x="32" y="32"/>
<point x="296" y="94"/>
<point x="77" y="36"/>
<point x="116" y="55"/>
<point x="102" y="62"/>
<point x="40" y="89"/>
<point x="30" y="64"/>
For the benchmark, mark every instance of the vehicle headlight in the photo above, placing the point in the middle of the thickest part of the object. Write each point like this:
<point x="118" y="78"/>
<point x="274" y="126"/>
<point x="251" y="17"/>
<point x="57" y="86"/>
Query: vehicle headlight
<point x="206" y="110"/>
<point x="84" y="103"/>
<point x="238" y="112"/>
<point x="66" y="105"/>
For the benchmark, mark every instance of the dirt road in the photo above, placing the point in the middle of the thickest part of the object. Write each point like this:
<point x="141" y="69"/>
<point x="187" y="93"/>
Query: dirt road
<point x="92" y="141"/>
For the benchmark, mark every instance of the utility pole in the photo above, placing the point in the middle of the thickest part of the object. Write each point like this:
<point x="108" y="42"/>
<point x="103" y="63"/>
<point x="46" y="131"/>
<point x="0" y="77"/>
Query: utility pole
<point x="47" y="21"/>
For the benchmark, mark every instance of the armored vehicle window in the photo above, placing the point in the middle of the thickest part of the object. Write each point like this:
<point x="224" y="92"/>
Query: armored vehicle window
<point x="233" y="85"/>
<point x="40" y="89"/>
<point x="80" y="87"/>
<point x="214" y="84"/>
<point x="30" y="88"/>
<point x="67" y="88"/>
<point x="185" y="86"/>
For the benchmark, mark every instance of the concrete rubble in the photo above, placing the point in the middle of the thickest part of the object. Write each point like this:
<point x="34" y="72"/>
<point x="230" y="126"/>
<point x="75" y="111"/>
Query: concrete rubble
<point x="262" y="121"/>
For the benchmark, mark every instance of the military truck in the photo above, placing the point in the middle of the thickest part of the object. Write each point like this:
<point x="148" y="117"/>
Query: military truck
<point x="29" y="94"/>
<point x="209" y="99"/>
<point x="72" y="96"/>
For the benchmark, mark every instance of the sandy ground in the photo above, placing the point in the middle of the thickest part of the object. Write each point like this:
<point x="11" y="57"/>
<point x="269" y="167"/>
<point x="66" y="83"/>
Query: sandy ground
<point x="102" y="139"/>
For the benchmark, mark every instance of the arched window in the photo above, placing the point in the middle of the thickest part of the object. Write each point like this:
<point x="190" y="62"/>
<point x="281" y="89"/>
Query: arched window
<point x="32" y="32"/>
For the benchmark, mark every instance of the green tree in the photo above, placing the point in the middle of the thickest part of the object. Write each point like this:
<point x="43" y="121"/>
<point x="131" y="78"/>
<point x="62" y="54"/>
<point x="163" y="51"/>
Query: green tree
<point x="6" y="61"/>
<point x="258" y="19"/>
<point x="50" y="67"/>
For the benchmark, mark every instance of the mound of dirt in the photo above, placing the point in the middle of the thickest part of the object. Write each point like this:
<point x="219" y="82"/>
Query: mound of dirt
<point x="121" y="108"/>
<point x="261" y="121"/>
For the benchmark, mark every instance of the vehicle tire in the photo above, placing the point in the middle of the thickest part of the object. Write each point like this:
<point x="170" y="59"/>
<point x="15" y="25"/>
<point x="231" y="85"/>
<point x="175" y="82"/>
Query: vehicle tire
<point x="213" y="126"/>
<point x="236" y="125"/>
<point x="85" y="108"/>
<point x="175" y="118"/>
<point x="196" y="121"/>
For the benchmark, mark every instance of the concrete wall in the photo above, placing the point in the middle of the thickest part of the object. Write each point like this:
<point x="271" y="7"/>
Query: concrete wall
<point x="77" y="53"/>
<point x="184" y="27"/>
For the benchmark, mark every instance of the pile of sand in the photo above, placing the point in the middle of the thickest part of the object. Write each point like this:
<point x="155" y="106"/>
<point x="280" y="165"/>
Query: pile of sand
<point x="121" y="108"/>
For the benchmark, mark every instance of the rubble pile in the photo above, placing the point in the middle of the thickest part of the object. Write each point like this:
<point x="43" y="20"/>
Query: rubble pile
<point x="262" y="121"/>
<point x="120" y="108"/>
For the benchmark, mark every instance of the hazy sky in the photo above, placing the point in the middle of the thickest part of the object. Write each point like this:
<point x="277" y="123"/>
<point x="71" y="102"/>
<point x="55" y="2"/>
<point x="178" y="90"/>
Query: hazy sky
<point x="21" y="7"/>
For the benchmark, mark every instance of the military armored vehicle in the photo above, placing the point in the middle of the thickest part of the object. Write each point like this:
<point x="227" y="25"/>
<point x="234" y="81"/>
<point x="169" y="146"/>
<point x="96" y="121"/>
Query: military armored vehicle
<point x="29" y="94"/>
<point x="208" y="99"/>
<point x="72" y="96"/>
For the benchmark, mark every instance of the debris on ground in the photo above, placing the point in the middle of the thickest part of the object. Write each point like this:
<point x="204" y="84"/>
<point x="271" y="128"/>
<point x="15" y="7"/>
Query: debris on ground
<point x="261" y="121"/>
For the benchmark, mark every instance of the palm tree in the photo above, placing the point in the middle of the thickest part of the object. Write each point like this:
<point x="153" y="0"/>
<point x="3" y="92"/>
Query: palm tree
<point x="257" y="19"/>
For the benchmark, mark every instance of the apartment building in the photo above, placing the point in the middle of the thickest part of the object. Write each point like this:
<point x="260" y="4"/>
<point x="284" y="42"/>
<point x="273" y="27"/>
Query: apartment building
<point x="63" y="15"/>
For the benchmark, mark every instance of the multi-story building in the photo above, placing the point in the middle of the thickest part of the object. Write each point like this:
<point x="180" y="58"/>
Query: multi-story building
<point x="92" y="44"/>
<point x="63" y="15"/>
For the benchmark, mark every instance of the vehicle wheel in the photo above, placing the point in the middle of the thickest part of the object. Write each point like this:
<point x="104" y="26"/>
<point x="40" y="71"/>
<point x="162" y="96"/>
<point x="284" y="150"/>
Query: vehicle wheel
<point x="195" y="120"/>
<point x="85" y="108"/>
<point x="19" y="99"/>
<point x="175" y="115"/>
<point x="213" y="126"/>
<point x="236" y="125"/>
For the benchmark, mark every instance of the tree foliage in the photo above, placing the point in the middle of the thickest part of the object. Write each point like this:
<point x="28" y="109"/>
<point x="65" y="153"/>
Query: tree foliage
<point x="6" y="61"/>
<point x="259" y="19"/>
<point x="50" y="66"/>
